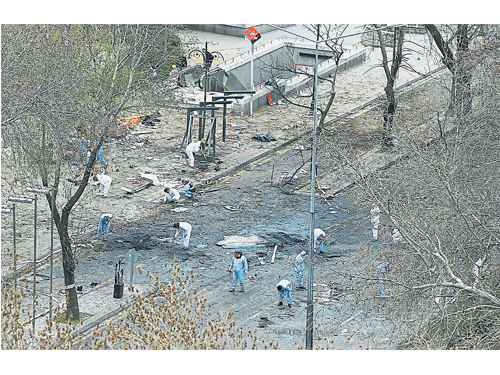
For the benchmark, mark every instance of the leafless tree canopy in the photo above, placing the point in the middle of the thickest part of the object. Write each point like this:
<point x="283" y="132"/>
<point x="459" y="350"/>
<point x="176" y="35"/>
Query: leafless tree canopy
<point x="442" y="196"/>
<point x="62" y="83"/>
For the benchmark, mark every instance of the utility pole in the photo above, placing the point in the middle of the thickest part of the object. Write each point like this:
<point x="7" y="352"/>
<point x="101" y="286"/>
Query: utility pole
<point x="310" y="270"/>
<point x="314" y="87"/>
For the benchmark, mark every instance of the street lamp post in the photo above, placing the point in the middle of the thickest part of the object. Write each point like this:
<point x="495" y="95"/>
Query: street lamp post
<point x="24" y="199"/>
<point x="310" y="272"/>
<point x="6" y="210"/>
<point x="44" y="190"/>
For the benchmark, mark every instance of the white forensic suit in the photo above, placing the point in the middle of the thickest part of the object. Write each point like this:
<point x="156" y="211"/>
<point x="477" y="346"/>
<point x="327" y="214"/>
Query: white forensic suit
<point x="172" y="196"/>
<point x="105" y="182"/>
<point x="186" y="228"/>
<point x="375" y="220"/>
<point x="190" y="150"/>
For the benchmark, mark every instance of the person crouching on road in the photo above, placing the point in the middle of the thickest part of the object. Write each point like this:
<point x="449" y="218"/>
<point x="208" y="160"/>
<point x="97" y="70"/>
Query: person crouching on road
<point x="239" y="266"/>
<point x="171" y="194"/>
<point x="186" y="229"/>
<point x="104" y="226"/>
<point x="105" y="182"/>
<point x="284" y="289"/>
<point x="300" y="268"/>
<point x="188" y="190"/>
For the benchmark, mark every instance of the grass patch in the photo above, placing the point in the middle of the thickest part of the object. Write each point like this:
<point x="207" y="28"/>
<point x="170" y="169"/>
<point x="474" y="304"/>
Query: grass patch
<point x="62" y="318"/>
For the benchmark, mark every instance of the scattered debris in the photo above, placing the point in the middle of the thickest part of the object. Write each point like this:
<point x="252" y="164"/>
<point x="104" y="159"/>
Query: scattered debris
<point x="142" y="186"/>
<point x="179" y="209"/>
<point x="274" y="253"/>
<point x="233" y="242"/>
<point x="264" y="137"/>
<point x="232" y="208"/>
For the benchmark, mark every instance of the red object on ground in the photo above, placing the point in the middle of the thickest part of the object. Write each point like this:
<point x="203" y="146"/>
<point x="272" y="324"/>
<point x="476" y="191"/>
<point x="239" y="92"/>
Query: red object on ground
<point x="270" y="99"/>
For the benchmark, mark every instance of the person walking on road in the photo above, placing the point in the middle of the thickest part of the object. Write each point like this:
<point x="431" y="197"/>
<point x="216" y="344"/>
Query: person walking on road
<point x="239" y="266"/>
<point x="382" y="270"/>
<point x="186" y="229"/>
<point x="375" y="220"/>
<point x="105" y="182"/>
<point x="104" y="226"/>
<point x="319" y="238"/>
<point x="190" y="150"/>
<point x="171" y="194"/>
<point x="284" y="289"/>
<point x="82" y="151"/>
<point x="300" y="268"/>
<point x="100" y="156"/>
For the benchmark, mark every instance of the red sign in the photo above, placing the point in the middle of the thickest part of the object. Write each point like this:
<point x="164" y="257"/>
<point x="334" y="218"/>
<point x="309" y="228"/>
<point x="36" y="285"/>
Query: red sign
<point x="252" y="34"/>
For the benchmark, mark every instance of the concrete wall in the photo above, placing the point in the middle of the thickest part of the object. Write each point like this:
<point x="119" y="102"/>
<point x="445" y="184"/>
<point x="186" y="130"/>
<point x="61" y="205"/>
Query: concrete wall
<point x="265" y="56"/>
<point x="232" y="29"/>
<point x="298" y="82"/>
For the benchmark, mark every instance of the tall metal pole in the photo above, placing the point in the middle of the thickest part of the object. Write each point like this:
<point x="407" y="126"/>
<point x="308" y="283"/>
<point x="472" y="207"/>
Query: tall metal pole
<point x="202" y="134"/>
<point x="51" y="256"/>
<point x="310" y="271"/>
<point x="251" y="82"/>
<point x="34" y="267"/>
<point x="15" y="252"/>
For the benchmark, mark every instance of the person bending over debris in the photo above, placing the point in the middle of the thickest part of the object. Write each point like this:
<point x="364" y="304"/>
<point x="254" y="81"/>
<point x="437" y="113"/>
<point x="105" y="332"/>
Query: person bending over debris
<point x="300" y="268"/>
<point x="188" y="190"/>
<point x="284" y="289"/>
<point x="171" y="194"/>
<point x="375" y="220"/>
<point x="239" y="266"/>
<point x="104" y="226"/>
<point x="105" y="184"/>
<point x="319" y="238"/>
<point x="395" y="235"/>
<point x="186" y="228"/>
<point x="190" y="150"/>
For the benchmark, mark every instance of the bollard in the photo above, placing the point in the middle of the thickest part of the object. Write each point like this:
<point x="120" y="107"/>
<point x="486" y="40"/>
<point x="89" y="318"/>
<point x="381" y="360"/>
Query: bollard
<point x="118" y="288"/>
<point x="132" y="260"/>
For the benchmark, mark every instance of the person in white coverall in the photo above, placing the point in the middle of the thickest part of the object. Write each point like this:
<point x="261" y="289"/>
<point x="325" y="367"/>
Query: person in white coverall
<point x="300" y="268"/>
<point x="395" y="235"/>
<point x="190" y="150"/>
<point x="186" y="228"/>
<point x="375" y="220"/>
<point x="319" y="238"/>
<point x="105" y="182"/>
<point x="171" y="194"/>
<point x="285" y="290"/>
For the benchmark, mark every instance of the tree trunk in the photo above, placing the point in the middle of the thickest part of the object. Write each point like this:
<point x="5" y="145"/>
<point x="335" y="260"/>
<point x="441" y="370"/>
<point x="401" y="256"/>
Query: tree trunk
<point x="389" y="112"/>
<point x="73" y="311"/>
<point x="461" y="95"/>
<point x="390" y="73"/>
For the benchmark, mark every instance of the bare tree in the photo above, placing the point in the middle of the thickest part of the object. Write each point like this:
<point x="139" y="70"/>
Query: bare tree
<point x="323" y="32"/>
<point x="62" y="82"/>
<point x="453" y="43"/>
<point x="391" y="74"/>
<point x="441" y="193"/>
